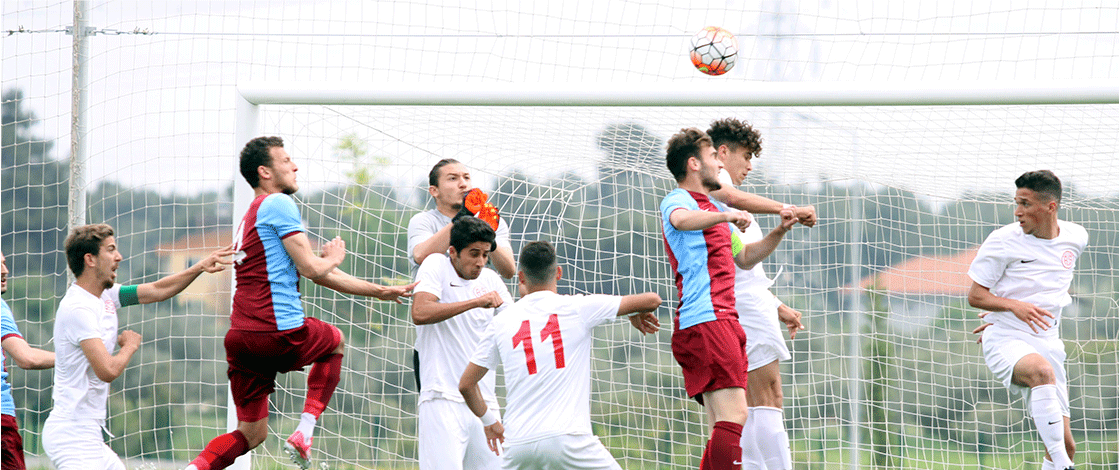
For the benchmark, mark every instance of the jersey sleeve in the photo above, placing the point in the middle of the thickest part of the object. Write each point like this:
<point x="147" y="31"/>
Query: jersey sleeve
<point x="279" y="212"/>
<point x="420" y="228"/>
<point x="486" y="353"/>
<point x="81" y="325"/>
<point x="598" y="309"/>
<point x="8" y="325"/>
<point x="676" y="199"/>
<point x="990" y="262"/>
<point x="428" y="277"/>
<point x="123" y="296"/>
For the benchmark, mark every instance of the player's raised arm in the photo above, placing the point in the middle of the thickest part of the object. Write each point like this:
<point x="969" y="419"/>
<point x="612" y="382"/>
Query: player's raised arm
<point x="170" y="286"/>
<point x="640" y="308"/>
<point x="688" y="220"/>
<point x="310" y="266"/>
<point x="340" y="281"/>
<point x="753" y="253"/>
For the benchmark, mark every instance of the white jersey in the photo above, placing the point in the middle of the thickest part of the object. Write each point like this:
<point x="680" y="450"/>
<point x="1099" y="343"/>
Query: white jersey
<point x="445" y="347"/>
<point x="1018" y="266"/>
<point x="425" y="224"/>
<point x="752" y="287"/>
<point x="544" y="346"/>
<point x="78" y="393"/>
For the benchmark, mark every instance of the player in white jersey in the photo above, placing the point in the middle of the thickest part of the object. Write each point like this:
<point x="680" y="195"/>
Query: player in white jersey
<point x="456" y="296"/>
<point x="85" y="334"/>
<point x="543" y="343"/>
<point x="1021" y="278"/>
<point x="765" y="442"/>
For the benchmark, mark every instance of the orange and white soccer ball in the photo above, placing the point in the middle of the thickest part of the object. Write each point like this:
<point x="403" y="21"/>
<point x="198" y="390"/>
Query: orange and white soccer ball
<point x="714" y="50"/>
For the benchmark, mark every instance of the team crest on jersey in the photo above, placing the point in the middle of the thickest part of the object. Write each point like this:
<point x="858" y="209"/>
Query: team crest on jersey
<point x="1068" y="258"/>
<point x="478" y="291"/>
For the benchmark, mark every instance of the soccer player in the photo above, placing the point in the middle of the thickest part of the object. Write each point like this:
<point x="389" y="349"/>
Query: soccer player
<point x="708" y="341"/>
<point x="765" y="442"/>
<point x="456" y="298"/>
<point x="269" y="333"/>
<point x="1021" y="277"/>
<point x="26" y="357"/>
<point x="85" y="334"/>
<point x="549" y="390"/>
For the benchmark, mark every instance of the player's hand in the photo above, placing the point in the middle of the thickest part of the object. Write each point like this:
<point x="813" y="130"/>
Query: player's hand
<point x="980" y="329"/>
<point x="741" y="219"/>
<point x="495" y="436"/>
<point x="788" y="218"/>
<point x="792" y="319"/>
<point x="806" y="215"/>
<point x="645" y="322"/>
<point x="395" y="293"/>
<point x="216" y="262"/>
<point x="334" y="251"/>
<point x="129" y="338"/>
<point x="489" y="300"/>
<point x="1031" y="314"/>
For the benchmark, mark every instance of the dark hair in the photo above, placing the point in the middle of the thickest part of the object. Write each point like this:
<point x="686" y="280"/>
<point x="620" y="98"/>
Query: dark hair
<point x="682" y="146"/>
<point x="85" y="240"/>
<point x="257" y="153"/>
<point x="468" y="229"/>
<point x="537" y="262"/>
<point x="433" y="176"/>
<point x="1042" y="182"/>
<point x="735" y="134"/>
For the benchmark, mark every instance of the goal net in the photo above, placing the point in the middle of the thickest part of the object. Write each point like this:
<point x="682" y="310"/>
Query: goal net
<point x="886" y="373"/>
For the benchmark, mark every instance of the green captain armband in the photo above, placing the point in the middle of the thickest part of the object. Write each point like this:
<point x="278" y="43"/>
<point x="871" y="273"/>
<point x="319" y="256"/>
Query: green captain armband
<point x="128" y="296"/>
<point x="736" y="242"/>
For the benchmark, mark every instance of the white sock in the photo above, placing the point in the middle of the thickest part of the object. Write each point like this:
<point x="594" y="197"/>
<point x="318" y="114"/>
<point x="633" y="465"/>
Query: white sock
<point x="1047" y="464"/>
<point x="306" y="425"/>
<point x="752" y="459"/>
<point x="1046" y="409"/>
<point x="773" y="442"/>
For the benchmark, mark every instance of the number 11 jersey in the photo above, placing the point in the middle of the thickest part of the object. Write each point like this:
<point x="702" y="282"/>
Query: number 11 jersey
<point x="543" y="343"/>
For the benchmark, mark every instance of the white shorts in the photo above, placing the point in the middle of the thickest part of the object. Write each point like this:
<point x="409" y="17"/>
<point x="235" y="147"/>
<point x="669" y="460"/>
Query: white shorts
<point x="78" y="445"/>
<point x="568" y="451"/>
<point x="451" y="437"/>
<point x="766" y="340"/>
<point x="1004" y="347"/>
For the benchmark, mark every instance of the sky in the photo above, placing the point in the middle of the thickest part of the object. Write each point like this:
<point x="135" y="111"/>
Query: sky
<point x="163" y="76"/>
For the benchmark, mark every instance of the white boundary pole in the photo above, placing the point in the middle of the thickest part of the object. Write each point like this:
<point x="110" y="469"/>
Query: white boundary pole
<point x="724" y="93"/>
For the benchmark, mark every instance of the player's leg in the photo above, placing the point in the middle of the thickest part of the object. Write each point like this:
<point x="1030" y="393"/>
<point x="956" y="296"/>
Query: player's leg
<point x="714" y="364"/>
<point x="752" y="456"/>
<point x="11" y="450"/>
<point x="727" y="408"/>
<point x="223" y="450"/>
<point x="442" y="434"/>
<point x="322" y="348"/>
<point x="78" y="445"/>
<point x="765" y="392"/>
<point x="1045" y="401"/>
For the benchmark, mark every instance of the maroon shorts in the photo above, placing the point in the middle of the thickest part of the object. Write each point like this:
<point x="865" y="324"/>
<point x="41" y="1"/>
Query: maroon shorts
<point x="712" y="356"/>
<point x="255" y="357"/>
<point x="11" y="456"/>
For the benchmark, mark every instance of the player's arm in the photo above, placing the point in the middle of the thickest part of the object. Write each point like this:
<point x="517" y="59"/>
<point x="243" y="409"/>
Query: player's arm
<point x="791" y="318"/>
<point x="25" y="356"/>
<point x="340" y="281"/>
<point x="310" y="266"/>
<point x="755" y="204"/>
<point x="468" y="387"/>
<point x="754" y="253"/>
<point x="437" y="243"/>
<point x="982" y="298"/>
<point x="169" y="286"/>
<point x="502" y="258"/>
<point x="640" y="308"/>
<point x="692" y="219"/>
<point x="427" y="309"/>
<point x="110" y="366"/>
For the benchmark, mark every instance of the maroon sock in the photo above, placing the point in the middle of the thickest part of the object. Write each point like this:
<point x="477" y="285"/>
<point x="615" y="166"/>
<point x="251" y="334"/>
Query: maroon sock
<point x="222" y="451"/>
<point x="321" y="382"/>
<point x="704" y="458"/>
<point x="723" y="451"/>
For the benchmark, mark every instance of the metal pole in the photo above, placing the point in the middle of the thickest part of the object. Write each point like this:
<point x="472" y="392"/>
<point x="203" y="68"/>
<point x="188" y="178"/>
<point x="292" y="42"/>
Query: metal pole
<point x="855" y="312"/>
<point x="78" y="140"/>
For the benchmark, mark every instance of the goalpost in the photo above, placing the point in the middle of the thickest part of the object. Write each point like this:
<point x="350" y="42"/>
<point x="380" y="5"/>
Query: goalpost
<point x="907" y="180"/>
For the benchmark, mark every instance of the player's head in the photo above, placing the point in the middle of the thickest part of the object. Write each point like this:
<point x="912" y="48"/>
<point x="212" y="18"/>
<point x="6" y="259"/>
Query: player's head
<point x="472" y="240"/>
<point x="537" y="265"/>
<point x="1037" y="197"/>
<point x="265" y="162"/>
<point x="91" y="250"/>
<point x="690" y="152"/>
<point x="448" y="182"/>
<point x="736" y="143"/>
<point x="3" y="273"/>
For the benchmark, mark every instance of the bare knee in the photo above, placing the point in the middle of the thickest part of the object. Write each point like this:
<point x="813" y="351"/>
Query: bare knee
<point x="1033" y="371"/>
<point x="341" y="343"/>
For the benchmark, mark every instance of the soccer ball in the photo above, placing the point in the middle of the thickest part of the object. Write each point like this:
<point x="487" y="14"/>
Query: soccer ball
<point x="714" y="50"/>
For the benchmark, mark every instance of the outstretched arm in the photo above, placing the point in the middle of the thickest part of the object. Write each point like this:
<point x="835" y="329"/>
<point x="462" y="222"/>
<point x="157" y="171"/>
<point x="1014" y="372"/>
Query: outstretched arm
<point x="347" y="284"/>
<point x="169" y="286"/>
<point x="689" y="219"/>
<point x="25" y="356"/>
<point x="468" y="387"/>
<point x="427" y="309"/>
<point x="755" y="204"/>
<point x="754" y="253"/>
<point x="640" y="307"/>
